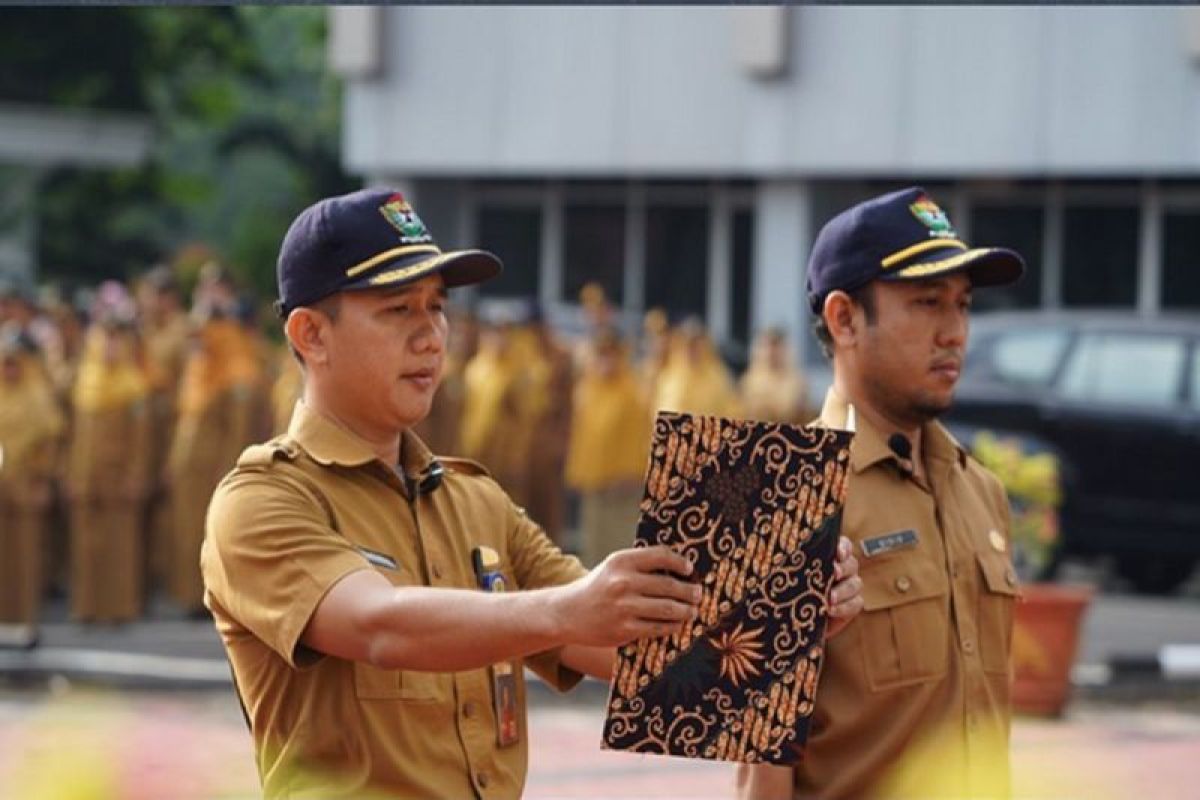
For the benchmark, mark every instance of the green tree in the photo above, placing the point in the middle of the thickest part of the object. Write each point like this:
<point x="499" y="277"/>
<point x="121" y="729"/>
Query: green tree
<point x="246" y="121"/>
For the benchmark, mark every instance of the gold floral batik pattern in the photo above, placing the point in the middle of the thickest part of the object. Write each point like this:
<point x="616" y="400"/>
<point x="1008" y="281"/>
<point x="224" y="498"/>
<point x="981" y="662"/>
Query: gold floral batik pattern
<point x="757" y="508"/>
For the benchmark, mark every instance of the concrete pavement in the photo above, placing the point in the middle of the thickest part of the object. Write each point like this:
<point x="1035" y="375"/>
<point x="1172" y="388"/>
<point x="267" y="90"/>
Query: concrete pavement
<point x="85" y="744"/>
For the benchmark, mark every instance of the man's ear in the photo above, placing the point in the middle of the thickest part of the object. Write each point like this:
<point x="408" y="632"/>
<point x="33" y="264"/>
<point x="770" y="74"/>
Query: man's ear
<point x="308" y="331"/>
<point x="842" y="317"/>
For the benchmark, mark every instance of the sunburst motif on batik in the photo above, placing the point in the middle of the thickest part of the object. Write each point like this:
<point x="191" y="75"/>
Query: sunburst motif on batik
<point x="739" y="651"/>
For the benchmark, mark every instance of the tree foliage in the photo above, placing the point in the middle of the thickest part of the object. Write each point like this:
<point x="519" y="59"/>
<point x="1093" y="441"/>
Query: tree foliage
<point x="246" y="123"/>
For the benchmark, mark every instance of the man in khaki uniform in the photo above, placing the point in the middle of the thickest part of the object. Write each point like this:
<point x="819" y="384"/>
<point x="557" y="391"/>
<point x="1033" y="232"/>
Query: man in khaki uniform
<point x="344" y="562"/>
<point x="914" y="698"/>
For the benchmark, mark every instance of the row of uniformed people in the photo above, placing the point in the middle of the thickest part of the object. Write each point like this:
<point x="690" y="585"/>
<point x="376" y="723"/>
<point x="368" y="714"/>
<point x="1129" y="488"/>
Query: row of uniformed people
<point x="111" y="449"/>
<point x="156" y="405"/>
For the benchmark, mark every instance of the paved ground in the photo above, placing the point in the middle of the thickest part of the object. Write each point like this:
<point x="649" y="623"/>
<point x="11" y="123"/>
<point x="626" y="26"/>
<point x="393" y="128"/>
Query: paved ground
<point x="74" y="744"/>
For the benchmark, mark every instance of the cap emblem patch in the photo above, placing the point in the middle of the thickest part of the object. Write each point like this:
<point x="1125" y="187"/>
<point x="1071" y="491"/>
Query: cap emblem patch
<point x="932" y="217"/>
<point x="399" y="213"/>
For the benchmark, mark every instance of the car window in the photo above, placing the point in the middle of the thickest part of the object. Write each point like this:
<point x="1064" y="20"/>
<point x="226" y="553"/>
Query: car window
<point x="1028" y="357"/>
<point x="1125" y="369"/>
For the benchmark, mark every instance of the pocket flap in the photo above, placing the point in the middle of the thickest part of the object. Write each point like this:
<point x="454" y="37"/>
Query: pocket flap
<point x="998" y="574"/>
<point x="905" y="580"/>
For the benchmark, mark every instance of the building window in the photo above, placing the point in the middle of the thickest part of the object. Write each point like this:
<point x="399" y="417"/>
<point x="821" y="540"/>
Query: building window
<point x="1181" y="259"/>
<point x="593" y="249"/>
<point x="514" y="233"/>
<point x="677" y="259"/>
<point x="743" y="275"/>
<point x="1019" y="228"/>
<point x="1100" y="255"/>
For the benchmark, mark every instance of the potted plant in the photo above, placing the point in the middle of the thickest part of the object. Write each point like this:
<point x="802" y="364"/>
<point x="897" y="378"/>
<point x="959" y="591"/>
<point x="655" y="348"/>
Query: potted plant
<point x="1048" y="616"/>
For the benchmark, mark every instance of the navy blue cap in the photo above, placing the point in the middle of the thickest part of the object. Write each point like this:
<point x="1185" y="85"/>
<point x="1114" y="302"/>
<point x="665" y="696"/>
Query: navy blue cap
<point x="902" y="236"/>
<point x="367" y="239"/>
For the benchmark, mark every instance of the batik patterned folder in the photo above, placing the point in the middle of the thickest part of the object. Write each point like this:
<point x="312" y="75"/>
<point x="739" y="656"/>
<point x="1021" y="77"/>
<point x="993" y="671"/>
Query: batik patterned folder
<point x="757" y="508"/>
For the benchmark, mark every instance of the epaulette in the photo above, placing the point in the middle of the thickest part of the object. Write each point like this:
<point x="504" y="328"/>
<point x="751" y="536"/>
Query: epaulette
<point x="464" y="466"/>
<point x="263" y="455"/>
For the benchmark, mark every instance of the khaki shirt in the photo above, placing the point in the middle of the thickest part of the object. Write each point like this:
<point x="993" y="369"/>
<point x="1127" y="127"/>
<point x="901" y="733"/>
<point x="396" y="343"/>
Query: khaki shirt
<point x="914" y="697"/>
<point x="297" y="515"/>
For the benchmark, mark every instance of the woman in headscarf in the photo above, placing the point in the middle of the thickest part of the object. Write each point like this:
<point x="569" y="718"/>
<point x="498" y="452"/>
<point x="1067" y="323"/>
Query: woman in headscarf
<point x="166" y="331"/>
<point x="494" y="403"/>
<point x="108" y="462"/>
<point x="772" y="388"/>
<point x="30" y="427"/>
<point x="545" y="421"/>
<point x="608" y="448"/>
<point x="221" y="411"/>
<point x="695" y="380"/>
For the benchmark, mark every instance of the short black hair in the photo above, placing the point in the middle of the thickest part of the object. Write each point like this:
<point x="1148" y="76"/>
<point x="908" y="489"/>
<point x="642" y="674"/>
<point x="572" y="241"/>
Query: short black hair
<point x="863" y="296"/>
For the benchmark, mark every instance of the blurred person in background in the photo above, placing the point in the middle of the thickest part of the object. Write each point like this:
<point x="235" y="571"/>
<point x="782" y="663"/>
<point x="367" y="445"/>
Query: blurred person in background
<point x="656" y="349"/>
<point x="108" y="463"/>
<point x="30" y="428"/>
<point x="695" y="379"/>
<point x="62" y="351"/>
<point x="598" y="316"/>
<point x="166" y="333"/>
<point x="772" y="389"/>
<point x="546" y="422"/>
<point x="221" y="402"/>
<point x="496" y="403"/>
<point x="608" y="448"/>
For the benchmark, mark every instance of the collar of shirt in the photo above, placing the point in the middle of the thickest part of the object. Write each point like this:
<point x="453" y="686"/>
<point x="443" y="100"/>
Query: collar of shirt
<point x="327" y="442"/>
<point x="870" y="445"/>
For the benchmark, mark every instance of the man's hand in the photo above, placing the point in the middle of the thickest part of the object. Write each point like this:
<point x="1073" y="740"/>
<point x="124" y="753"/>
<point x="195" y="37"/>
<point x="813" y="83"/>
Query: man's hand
<point x="627" y="597"/>
<point x="845" y="599"/>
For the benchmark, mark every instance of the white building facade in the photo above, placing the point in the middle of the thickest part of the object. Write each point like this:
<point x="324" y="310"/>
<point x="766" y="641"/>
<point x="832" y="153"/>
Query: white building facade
<point x="686" y="157"/>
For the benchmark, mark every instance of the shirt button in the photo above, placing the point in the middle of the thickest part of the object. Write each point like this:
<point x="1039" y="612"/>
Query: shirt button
<point x="481" y="778"/>
<point x="954" y="570"/>
<point x="468" y="709"/>
<point x="903" y="583"/>
<point x="437" y="571"/>
<point x="969" y="646"/>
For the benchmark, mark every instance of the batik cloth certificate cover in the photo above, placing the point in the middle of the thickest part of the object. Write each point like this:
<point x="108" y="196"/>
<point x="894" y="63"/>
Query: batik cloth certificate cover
<point x="757" y="508"/>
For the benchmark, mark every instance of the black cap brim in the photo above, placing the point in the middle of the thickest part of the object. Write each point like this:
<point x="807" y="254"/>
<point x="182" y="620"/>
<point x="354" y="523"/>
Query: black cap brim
<point x="986" y="266"/>
<point x="457" y="268"/>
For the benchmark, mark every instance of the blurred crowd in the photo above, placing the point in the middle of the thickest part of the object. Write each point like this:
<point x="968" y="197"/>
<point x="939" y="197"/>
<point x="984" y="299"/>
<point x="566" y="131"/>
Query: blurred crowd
<point x="122" y="408"/>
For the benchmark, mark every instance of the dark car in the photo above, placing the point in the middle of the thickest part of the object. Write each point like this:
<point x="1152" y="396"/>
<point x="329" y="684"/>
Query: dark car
<point x="1116" y="396"/>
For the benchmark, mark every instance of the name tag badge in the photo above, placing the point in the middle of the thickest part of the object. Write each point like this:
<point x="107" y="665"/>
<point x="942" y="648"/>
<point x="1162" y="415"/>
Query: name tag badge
<point x="379" y="559"/>
<point x="897" y="540"/>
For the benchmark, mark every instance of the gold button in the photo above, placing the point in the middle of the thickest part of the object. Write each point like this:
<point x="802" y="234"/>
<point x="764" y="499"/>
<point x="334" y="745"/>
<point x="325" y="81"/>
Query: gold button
<point x="968" y="647"/>
<point x="903" y="583"/>
<point x="481" y="778"/>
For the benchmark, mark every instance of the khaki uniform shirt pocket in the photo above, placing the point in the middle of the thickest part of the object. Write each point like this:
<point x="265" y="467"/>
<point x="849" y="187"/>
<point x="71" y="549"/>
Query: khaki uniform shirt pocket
<point x="905" y="623"/>
<point x="373" y="683"/>
<point x="995" y="619"/>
